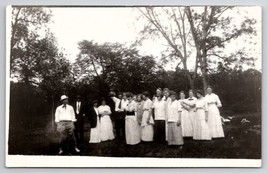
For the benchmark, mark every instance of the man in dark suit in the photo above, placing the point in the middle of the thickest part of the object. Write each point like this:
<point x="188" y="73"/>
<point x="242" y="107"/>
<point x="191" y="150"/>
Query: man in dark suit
<point x="80" y="114"/>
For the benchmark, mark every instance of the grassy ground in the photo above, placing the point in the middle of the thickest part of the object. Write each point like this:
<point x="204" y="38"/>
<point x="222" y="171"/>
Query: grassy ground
<point x="242" y="140"/>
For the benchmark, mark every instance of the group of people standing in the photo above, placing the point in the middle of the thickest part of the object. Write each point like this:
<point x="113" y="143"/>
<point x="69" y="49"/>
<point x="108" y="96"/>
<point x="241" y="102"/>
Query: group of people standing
<point x="165" y="117"/>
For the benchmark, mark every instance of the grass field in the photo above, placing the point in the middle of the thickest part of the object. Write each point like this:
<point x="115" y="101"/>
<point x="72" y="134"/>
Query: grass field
<point x="242" y="140"/>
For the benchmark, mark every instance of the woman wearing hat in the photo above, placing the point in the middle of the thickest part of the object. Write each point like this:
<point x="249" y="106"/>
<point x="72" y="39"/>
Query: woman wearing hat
<point x="214" y="121"/>
<point x="201" y="128"/>
<point x="174" y="121"/>
<point x="106" y="127"/>
<point x="132" y="131"/>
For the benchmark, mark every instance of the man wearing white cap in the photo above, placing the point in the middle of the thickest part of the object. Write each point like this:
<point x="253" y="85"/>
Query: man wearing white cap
<point x="65" y="118"/>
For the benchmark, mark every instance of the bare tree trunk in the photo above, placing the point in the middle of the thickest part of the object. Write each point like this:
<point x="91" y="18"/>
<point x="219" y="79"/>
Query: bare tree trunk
<point x="191" y="83"/>
<point x="52" y="113"/>
<point x="204" y="70"/>
<point x="204" y="81"/>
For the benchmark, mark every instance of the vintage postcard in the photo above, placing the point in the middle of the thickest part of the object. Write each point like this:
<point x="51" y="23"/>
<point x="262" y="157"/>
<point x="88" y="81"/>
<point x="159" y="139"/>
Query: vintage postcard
<point x="133" y="86"/>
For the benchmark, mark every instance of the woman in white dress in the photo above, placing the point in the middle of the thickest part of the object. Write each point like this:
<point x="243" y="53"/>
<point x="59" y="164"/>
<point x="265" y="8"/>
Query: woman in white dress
<point x="106" y="127"/>
<point x="95" y="132"/>
<point x="215" y="123"/>
<point x="132" y="130"/>
<point x="175" y="136"/>
<point x="201" y="129"/>
<point x="186" y="122"/>
<point x="147" y="120"/>
<point x="191" y="102"/>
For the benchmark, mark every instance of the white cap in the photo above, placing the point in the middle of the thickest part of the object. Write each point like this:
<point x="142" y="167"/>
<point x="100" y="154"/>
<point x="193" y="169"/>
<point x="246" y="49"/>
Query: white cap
<point x="63" y="97"/>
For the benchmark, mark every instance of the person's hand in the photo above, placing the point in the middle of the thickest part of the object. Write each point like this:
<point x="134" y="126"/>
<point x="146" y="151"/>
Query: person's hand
<point x="84" y="115"/>
<point x="147" y="121"/>
<point x="178" y="122"/>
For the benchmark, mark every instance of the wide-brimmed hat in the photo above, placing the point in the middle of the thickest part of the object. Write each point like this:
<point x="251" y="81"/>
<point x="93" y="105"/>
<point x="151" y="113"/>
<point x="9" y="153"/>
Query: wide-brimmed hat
<point x="63" y="97"/>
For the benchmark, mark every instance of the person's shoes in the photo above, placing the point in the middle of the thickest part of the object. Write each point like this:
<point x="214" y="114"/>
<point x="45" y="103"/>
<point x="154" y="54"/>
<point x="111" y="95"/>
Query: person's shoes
<point x="77" y="150"/>
<point x="60" y="151"/>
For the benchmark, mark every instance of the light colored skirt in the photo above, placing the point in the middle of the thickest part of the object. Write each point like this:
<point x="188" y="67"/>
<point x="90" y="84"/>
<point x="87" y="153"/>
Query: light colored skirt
<point x="192" y="114"/>
<point x="147" y="129"/>
<point x="132" y="130"/>
<point x="201" y="128"/>
<point x="186" y="123"/>
<point x="215" y="122"/>
<point x="106" y="128"/>
<point x="95" y="133"/>
<point x="175" y="134"/>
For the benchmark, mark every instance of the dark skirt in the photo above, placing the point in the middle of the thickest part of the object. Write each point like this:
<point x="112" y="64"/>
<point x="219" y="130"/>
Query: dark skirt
<point x="159" y="131"/>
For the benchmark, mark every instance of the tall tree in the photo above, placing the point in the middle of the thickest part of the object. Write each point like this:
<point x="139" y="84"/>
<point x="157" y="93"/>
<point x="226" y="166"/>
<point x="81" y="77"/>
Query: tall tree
<point x="25" y="24"/>
<point x="212" y="29"/>
<point x="170" y="23"/>
<point x="114" y="66"/>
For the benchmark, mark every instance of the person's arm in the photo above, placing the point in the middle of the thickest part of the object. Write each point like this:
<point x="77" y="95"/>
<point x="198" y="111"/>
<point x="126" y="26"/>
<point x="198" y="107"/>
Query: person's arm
<point x="190" y="104"/>
<point x="218" y="102"/>
<point x="206" y="111"/>
<point x="179" y="118"/>
<point x="108" y="112"/>
<point x="100" y="112"/>
<point x="115" y="99"/>
<point x="185" y="106"/>
<point x="83" y="110"/>
<point x="179" y="113"/>
<point x="72" y="114"/>
<point x="148" y="108"/>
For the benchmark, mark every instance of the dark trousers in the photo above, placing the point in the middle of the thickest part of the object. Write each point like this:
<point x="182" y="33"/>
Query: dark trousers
<point x="79" y="130"/>
<point x="159" y="131"/>
<point x="120" y="125"/>
<point x="67" y="139"/>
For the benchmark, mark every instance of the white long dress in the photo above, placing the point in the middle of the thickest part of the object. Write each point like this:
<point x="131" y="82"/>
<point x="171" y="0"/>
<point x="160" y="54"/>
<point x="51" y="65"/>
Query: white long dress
<point x="214" y="121"/>
<point x="95" y="132"/>
<point x="147" y="128"/>
<point x="106" y="127"/>
<point x="132" y="129"/>
<point x="175" y="136"/>
<point x="186" y="122"/>
<point x="201" y="128"/>
<point x="191" y="103"/>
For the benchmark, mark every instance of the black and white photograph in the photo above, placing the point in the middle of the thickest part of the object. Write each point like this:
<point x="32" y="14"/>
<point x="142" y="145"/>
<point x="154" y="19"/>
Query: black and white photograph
<point x="133" y="86"/>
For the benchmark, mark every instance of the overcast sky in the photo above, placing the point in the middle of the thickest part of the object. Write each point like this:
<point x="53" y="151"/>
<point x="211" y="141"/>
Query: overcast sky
<point x="71" y="25"/>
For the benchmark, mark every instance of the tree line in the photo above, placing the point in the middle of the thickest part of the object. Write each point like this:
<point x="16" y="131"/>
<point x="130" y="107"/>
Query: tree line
<point x="40" y="71"/>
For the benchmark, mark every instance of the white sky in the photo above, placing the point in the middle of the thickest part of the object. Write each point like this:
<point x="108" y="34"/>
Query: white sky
<point x="72" y="25"/>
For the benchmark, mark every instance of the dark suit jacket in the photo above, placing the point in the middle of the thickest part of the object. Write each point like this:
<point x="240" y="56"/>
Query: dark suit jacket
<point x="82" y="110"/>
<point x="92" y="117"/>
